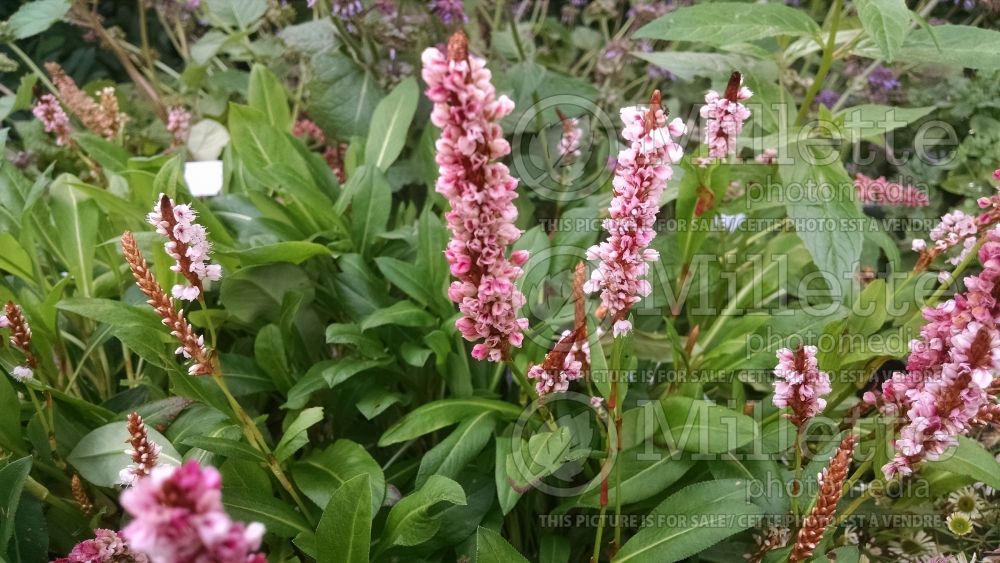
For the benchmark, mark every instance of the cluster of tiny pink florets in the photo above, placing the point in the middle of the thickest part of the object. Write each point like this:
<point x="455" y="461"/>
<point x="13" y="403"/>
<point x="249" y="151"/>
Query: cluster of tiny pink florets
<point x="950" y="369"/>
<point x="53" y="118"/>
<point x="107" y="546"/>
<point x="724" y="115"/>
<point x="179" y="125"/>
<point x="188" y="245"/>
<point x="800" y="385"/>
<point x="956" y="229"/>
<point x="481" y="192"/>
<point x="177" y="515"/>
<point x="557" y="379"/>
<point x="569" y="142"/>
<point x="640" y="177"/>
<point x="883" y="192"/>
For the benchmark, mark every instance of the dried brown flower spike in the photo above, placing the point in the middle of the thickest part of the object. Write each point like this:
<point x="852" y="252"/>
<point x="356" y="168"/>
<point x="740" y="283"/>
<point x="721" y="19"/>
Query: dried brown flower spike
<point x="80" y="495"/>
<point x="831" y="482"/>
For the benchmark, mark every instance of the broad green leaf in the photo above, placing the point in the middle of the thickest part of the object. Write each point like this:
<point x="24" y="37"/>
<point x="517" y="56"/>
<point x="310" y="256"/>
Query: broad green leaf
<point x="311" y="37"/>
<point x="765" y="473"/>
<point x="542" y="455"/>
<point x="236" y="13"/>
<point x="959" y="46"/>
<point x="35" y="17"/>
<point x="390" y="123"/>
<point x="260" y="144"/>
<point x="371" y="204"/>
<point x="406" y="276"/>
<point x="266" y="94"/>
<point x="77" y="217"/>
<point x="641" y="476"/>
<point x="727" y="23"/>
<point x="100" y="455"/>
<point x="30" y="541"/>
<point x="139" y="328"/>
<point x="492" y="548"/>
<point x="403" y="313"/>
<point x="322" y="472"/>
<point x="706" y="513"/>
<point x="887" y="22"/>
<point x="872" y="121"/>
<point x="12" y="478"/>
<point x="434" y="416"/>
<point x="295" y="437"/>
<point x="687" y="65"/>
<point x="253" y="505"/>
<point x="107" y="154"/>
<point x="14" y="259"/>
<point x="692" y="425"/>
<point x="970" y="458"/>
<point x="451" y="455"/>
<point x="295" y="252"/>
<point x="413" y="520"/>
<point x="10" y="418"/>
<point x="344" y="531"/>
<point x="225" y="447"/>
<point x="207" y="139"/>
<point x="342" y="95"/>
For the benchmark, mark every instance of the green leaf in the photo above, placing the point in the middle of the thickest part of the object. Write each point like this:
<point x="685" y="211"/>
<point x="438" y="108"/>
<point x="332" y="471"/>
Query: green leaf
<point x="492" y="548"/>
<point x="30" y="541"/>
<point x="35" y="17"/>
<point x="887" y="22"/>
<point x="342" y="95"/>
<point x="296" y="435"/>
<point x="403" y="313"/>
<point x="692" y="425"/>
<point x="321" y="473"/>
<point x="463" y="445"/>
<point x="232" y="449"/>
<point x="77" y="217"/>
<point x="727" y="23"/>
<point x="959" y="46"/>
<point x="12" y="478"/>
<point x="872" y="121"/>
<point x="139" y="328"/>
<point x="412" y="520"/>
<point x="371" y="203"/>
<point x="687" y="65"/>
<point x="721" y="505"/>
<point x="266" y="94"/>
<point x="10" y="418"/>
<point x="14" y="259"/>
<point x="107" y="154"/>
<point x="236" y="13"/>
<point x="406" y="276"/>
<point x="295" y="252"/>
<point x="260" y="144"/>
<point x="253" y="505"/>
<point x="100" y="455"/>
<point x="439" y="414"/>
<point x="641" y="477"/>
<point x="390" y="123"/>
<point x="344" y="532"/>
<point x="970" y="458"/>
<point x="311" y="37"/>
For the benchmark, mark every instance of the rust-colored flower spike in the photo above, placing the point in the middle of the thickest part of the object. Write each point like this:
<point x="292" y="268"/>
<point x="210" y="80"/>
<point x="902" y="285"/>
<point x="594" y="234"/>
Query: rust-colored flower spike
<point x="192" y="346"/>
<point x="458" y="46"/>
<point x="102" y="118"/>
<point x="20" y="332"/>
<point x="831" y="482"/>
<point x="144" y="452"/>
<point x="988" y="414"/>
<point x="80" y="495"/>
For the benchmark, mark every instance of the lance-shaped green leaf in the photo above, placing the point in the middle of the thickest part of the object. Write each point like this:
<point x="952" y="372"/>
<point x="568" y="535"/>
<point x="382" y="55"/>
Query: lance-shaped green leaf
<point x="887" y="22"/>
<point x="413" y="520"/>
<point x="434" y="416"/>
<point x="344" y="531"/>
<point x="390" y="124"/>
<point x="296" y="435"/>
<point x="492" y="548"/>
<point x="727" y="23"/>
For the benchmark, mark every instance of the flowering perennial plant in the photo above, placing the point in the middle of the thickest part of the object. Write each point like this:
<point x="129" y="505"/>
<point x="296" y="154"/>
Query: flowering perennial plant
<point x="107" y="546"/>
<point x="179" y="125"/>
<point x="880" y="191"/>
<point x="800" y="385"/>
<point x="569" y="143"/>
<point x="53" y="118"/>
<point x="20" y="338"/>
<point x="831" y="482"/>
<point x="192" y="345"/>
<point x="725" y="116"/>
<point x="481" y="192"/>
<point x="143" y="451"/>
<point x="188" y="245"/>
<point x="641" y="174"/>
<point x="177" y="515"/>
<point x="101" y="117"/>
<point x="950" y="371"/>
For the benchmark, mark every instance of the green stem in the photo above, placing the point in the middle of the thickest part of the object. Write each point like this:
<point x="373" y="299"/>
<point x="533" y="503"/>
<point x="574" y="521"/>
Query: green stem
<point x="34" y="68"/>
<point x="597" y="537"/>
<point x="825" y="63"/>
<point x="798" y="472"/>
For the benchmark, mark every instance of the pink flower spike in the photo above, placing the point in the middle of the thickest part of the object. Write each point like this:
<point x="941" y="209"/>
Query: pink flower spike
<point x="177" y="515"/>
<point x="107" y="546"/>
<point x="187" y="244"/>
<point x="725" y="116"/>
<point x="481" y="194"/>
<point x="640" y="177"/>
<point x="799" y="384"/>
<point x="55" y="120"/>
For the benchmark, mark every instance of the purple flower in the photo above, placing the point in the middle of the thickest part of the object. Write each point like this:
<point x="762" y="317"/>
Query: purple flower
<point x="481" y="194"/>
<point x="827" y="97"/>
<point x="881" y="82"/>
<point x="643" y="169"/>
<point x="449" y="11"/>
<point x="800" y="385"/>
<point x="177" y="515"/>
<point x="725" y="116"/>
